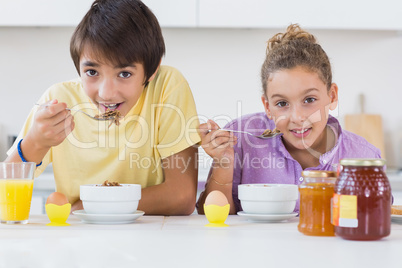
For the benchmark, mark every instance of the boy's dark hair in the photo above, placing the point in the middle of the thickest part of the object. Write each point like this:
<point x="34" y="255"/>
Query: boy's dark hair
<point x="122" y="32"/>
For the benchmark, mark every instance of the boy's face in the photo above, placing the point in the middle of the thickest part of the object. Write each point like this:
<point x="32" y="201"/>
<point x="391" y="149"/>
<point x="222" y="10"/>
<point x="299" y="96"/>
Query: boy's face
<point x="299" y="103"/>
<point x="113" y="87"/>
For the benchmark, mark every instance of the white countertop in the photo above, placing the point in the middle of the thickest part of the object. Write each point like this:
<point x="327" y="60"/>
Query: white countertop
<point x="157" y="241"/>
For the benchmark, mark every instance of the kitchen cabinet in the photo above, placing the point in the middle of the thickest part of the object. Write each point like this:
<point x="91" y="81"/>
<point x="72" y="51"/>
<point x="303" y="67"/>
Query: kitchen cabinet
<point x="311" y="14"/>
<point x="42" y="12"/>
<point x="316" y="14"/>
<point x="28" y="13"/>
<point x="174" y="13"/>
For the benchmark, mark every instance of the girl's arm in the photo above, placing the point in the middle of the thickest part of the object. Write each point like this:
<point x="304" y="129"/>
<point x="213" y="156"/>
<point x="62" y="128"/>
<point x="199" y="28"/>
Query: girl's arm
<point x="221" y="179"/>
<point x="218" y="145"/>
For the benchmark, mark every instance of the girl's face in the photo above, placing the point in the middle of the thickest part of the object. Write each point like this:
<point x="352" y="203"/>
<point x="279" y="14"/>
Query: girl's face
<point x="299" y="103"/>
<point x="112" y="87"/>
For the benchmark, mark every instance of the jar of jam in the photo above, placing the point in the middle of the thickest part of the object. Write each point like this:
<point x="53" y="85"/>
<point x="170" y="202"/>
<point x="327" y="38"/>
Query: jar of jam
<point x="316" y="193"/>
<point x="362" y="200"/>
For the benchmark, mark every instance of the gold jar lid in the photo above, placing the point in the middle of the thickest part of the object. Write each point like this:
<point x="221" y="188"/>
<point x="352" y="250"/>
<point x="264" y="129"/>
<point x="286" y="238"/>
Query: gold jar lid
<point x="365" y="162"/>
<point x="318" y="174"/>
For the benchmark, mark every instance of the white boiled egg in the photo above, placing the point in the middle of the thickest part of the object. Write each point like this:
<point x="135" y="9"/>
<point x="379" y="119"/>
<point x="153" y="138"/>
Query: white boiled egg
<point x="216" y="198"/>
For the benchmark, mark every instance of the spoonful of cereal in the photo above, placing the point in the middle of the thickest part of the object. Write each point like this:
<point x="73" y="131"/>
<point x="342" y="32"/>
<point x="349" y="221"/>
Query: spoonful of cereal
<point x="267" y="134"/>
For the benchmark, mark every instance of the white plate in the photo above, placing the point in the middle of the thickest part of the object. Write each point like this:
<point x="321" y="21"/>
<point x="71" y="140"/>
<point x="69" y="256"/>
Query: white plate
<point x="108" y="218"/>
<point x="267" y="217"/>
<point x="396" y="218"/>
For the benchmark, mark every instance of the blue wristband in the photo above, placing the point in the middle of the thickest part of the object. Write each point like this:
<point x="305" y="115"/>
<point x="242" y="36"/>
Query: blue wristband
<point x="22" y="157"/>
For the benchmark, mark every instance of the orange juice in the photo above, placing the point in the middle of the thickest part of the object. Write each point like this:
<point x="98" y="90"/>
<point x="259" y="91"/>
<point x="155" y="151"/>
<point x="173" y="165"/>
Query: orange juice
<point x="15" y="199"/>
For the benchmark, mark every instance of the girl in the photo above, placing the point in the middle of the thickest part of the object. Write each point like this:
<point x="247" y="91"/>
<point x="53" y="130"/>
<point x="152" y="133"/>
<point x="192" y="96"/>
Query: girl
<point x="298" y="93"/>
<point x="117" y="50"/>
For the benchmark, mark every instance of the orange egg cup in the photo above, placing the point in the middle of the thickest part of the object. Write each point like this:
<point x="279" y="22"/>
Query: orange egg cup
<point x="58" y="215"/>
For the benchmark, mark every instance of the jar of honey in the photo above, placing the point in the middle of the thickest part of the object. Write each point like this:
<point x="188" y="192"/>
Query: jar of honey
<point x="316" y="193"/>
<point x="362" y="200"/>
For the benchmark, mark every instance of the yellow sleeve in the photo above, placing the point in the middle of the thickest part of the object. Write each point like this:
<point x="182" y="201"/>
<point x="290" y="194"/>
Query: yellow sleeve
<point x="177" y="118"/>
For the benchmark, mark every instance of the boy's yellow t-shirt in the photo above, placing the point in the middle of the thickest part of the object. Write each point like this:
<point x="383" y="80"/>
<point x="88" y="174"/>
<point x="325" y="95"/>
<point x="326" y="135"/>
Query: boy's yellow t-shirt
<point x="163" y="122"/>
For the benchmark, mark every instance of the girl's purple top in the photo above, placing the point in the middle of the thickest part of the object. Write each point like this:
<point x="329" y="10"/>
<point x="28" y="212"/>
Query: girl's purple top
<point x="268" y="161"/>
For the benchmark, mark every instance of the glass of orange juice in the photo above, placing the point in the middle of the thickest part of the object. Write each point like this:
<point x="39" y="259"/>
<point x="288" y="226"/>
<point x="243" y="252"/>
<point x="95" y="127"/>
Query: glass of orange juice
<point x="16" y="184"/>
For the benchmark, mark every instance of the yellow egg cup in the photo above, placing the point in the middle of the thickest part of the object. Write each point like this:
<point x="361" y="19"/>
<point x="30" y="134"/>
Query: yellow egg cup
<point x="216" y="215"/>
<point x="58" y="214"/>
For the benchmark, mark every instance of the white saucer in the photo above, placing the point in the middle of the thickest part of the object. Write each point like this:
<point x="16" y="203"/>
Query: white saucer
<point x="107" y="218"/>
<point x="396" y="218"/>
<point x="267" y="217"/>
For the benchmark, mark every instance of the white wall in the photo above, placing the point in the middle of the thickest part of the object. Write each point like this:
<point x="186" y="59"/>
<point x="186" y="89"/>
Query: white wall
<point x="222" y="67"/>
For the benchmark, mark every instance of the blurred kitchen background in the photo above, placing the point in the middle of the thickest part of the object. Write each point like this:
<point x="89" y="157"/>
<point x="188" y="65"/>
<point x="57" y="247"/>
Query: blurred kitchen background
<point x="219" y="46"/>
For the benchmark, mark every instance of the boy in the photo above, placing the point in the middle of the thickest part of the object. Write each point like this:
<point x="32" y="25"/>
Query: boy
<point x="117" y="50"/>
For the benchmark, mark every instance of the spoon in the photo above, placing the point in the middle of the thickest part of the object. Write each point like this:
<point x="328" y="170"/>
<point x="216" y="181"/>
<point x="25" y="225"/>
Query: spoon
<point x="267" y="134"/>
<point x="97" y="117"/>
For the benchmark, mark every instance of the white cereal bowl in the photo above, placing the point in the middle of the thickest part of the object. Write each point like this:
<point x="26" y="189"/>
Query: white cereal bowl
<point x="268" y="198"/>
<point x="98" y="199"/>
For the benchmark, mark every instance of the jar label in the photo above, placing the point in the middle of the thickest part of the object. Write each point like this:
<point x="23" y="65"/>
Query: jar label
<point x="344" y="210"/>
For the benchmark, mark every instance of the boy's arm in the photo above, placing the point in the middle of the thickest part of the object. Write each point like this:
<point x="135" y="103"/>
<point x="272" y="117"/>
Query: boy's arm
<point x="177" y="194"/>
<point x="30" y="151"/>
<point x="51" y="125"/>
